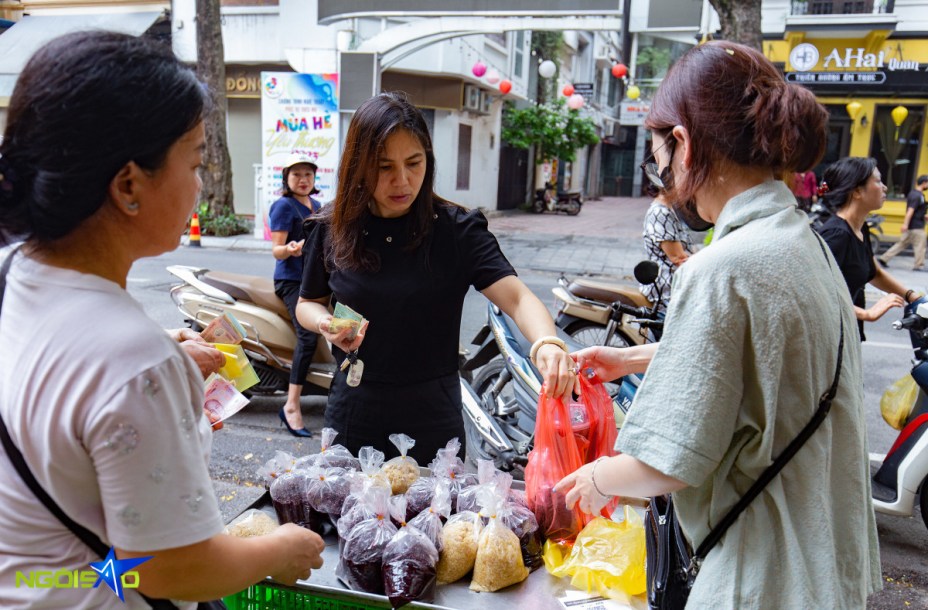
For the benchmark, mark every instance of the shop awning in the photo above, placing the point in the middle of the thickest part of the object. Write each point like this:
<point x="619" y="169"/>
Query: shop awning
<point x="29" y="34"/>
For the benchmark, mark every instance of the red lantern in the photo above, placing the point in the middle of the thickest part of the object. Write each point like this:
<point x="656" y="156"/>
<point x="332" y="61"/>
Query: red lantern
<point x="568" y="90"/>
<point x="505" y="86"/>
<point x="619" y="70"/>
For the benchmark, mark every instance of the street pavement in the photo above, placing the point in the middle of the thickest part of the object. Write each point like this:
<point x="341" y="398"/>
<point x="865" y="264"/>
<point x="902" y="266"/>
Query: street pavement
<point x="603" y="240"/>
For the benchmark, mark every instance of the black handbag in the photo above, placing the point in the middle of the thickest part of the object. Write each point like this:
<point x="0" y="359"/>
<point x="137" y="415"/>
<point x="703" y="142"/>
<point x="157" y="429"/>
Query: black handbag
<point x="87" y="537"/>
<point x="671" y="567"/>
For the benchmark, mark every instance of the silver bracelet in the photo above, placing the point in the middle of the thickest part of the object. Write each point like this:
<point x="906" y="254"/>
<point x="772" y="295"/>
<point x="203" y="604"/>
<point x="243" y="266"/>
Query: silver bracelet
<point x="593" y="477"/>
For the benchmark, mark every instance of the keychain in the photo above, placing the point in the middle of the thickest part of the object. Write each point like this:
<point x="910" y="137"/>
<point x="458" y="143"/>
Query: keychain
<point x="355" y="367"/>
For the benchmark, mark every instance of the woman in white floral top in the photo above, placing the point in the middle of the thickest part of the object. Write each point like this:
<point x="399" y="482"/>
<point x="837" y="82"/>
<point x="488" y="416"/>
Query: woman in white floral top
<point x="667" y="243"/>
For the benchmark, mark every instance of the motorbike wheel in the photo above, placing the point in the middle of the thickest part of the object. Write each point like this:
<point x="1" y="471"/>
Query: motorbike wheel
<point x="590" y="333"/>
<point x="538" y="206"/>
<point x="573" y="207"/>
<point x="486" y="377"/>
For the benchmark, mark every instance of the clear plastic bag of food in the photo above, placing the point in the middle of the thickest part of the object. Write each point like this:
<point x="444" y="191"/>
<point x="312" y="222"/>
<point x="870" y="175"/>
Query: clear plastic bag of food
<point x="521" y="520"/>
<point x="403" y="470"/>
<point x="449" y="466"/>
<point x="360" y="562"/>
<point x="419" y="496"/>
<point x="409" y="561"/>
<point x="288" y="495"/>
<point x="334" y="456"/>
<point x="279" y="464"/>
<point x="486" y="475"/>
<point x="459" y="538"/>
<point x="430" y="521"/>
<point x="251" y="523"/>
<point x="327" y="489"/>
<point x="499" y="559"/>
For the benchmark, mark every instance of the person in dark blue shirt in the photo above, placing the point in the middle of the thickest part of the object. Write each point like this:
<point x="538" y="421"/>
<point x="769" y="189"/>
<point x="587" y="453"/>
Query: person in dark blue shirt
<point x="286" y="224"/>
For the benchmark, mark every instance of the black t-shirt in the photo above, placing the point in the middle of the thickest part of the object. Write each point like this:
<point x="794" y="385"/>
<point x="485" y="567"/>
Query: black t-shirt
<point x="916" y="201"/>
<point x="854" y="256"/>
<point x="414" y="302"/>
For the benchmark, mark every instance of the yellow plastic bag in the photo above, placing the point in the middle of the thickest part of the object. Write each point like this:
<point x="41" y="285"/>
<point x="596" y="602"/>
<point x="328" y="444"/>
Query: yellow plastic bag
<point x="898" y="401"/>
<point x="237" y="368"/>
<point x="607" y="557"/>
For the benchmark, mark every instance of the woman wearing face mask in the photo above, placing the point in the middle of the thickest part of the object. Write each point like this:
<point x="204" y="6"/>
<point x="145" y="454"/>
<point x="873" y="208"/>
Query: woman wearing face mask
<point x="404" y="258"/>
<point x="286" y="223"/>
<point x="854" y="188"/>
<point x="744" y="360"/>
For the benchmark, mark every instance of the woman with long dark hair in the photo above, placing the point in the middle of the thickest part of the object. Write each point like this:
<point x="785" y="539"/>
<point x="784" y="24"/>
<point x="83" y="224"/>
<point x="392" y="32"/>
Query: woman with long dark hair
<point x="854" y="188"/>
<point x="759" y="323"/>
<point x="392" y="250"/>
<point x="99" y="168"/>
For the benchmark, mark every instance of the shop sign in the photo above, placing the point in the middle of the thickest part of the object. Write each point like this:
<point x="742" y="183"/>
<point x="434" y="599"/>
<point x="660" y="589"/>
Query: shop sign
<point x="584" y="89"/>
<point x="633" y="113"/>
<point x="836" y="78"/>
<point x="242" y="84"/>
<point x="804" y="57"/>
<point x="299" y="113"/>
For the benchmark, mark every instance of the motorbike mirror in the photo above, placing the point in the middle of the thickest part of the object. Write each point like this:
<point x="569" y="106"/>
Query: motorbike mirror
<point x="646" y="272"/>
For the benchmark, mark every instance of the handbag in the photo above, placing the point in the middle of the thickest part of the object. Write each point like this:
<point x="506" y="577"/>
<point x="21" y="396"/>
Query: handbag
<point x="671" y="566"/>
<point x="86" y="536"/>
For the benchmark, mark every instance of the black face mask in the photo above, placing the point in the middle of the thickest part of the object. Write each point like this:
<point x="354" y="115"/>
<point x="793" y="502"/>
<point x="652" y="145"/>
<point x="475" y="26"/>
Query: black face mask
<point x="685" y="211"/>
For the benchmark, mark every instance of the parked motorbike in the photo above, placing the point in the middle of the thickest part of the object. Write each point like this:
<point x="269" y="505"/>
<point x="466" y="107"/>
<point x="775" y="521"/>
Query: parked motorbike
<point x="904" y="470"/>
<point x="205" y="294"/>
<point x="562" y="201"/>
<point x="597" y="312"/>
<point x="820" y="213"/>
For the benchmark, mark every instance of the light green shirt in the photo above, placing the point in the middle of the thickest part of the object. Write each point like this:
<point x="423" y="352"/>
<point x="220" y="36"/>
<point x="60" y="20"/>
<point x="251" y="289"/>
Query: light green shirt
<point x="750" y="345"/>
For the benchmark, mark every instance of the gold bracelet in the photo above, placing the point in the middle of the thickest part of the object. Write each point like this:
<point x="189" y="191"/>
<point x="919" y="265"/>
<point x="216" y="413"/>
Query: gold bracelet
<point x="544" y="341"/>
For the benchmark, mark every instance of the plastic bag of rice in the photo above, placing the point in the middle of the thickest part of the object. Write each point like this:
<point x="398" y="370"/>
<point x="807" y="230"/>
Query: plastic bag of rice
<point x="252" y="522"/>
<point x="403" y="470"/>
<point x="499" y="557"/>
<point x="459" y="539"/>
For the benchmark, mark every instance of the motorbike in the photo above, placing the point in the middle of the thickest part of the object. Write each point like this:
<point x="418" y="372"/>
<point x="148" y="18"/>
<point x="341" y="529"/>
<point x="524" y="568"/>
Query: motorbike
<point x="904" y="470"/>
<point x="597" y="312"/>
<point x="204" y="295"/>
<point x="547" y="199"/>
<point x="820" y="213"/>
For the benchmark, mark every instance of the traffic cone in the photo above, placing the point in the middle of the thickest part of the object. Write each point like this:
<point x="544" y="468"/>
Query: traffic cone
<point x="194" y="241"/>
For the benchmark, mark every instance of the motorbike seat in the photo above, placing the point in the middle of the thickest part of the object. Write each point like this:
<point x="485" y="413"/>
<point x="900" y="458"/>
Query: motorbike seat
<point x="257" y="290"/>
<point x="607" y="292"/>
<point x="563" y="194"/>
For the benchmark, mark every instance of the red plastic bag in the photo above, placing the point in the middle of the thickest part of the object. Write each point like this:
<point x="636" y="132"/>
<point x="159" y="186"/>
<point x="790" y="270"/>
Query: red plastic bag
<point x="602" y="432"/>
<point x="554" y="456"/>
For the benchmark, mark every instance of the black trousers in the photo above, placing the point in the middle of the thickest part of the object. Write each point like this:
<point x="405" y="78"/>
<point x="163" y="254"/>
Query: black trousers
<point x="429" y="412"/>
<point x="289" y="292"/>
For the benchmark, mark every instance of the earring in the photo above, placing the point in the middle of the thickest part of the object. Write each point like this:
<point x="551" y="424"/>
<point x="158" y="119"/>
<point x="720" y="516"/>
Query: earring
<point x="133" y="206"/>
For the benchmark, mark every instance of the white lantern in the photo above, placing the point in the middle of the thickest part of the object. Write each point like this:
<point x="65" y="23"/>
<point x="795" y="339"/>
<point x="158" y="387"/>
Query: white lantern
<point x="547" y="69"/>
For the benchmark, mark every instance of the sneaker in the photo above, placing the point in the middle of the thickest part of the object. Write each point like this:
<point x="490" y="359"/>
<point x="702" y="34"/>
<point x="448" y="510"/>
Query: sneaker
<point x="918" y="268"/>
<point x="883" y="263"/>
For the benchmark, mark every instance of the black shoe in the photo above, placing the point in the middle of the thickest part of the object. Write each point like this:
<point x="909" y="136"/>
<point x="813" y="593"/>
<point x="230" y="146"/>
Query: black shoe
<point x="883" y="263"/>
<point x="922" y="269"/>
<point x="301" y="432"/>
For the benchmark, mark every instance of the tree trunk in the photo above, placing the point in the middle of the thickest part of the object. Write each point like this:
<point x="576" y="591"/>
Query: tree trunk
<point x="740" y="21"/>
<point x="211" y="67"/>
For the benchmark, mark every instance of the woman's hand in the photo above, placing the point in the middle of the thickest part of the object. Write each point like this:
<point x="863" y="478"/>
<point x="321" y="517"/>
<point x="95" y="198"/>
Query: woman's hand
<point x="340" y="339"/>
<point x="557" y="370"/>
<point x="208" y="358"/>
<point x="608" y="363"/>
<point x="886" y="303"/>
<point x="579" y="490"/>
<point x="295" y="248"/>
<point x="300" y="552"/>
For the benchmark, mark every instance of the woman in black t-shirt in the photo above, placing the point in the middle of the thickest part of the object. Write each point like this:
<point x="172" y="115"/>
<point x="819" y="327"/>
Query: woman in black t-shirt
<point x="853" y="186"/>
<point x="404" y="258"/>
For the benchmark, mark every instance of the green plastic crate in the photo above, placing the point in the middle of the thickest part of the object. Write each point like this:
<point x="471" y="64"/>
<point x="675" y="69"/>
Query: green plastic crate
<point x="271" y="596"/>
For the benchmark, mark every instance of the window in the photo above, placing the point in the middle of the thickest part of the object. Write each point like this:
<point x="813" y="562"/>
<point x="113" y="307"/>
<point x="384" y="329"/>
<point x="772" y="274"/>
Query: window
<point x="518" y="54"/>
<point x="498" y="37"/>
<point x="613" y="91"/>
<point x="464" y="137"/>
<point x="896" y="149"/>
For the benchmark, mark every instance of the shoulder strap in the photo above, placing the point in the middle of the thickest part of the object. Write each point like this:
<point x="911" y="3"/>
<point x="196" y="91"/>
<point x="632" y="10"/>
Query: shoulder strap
<point x="824" y="406"/>
<point x="19" y="462"/>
